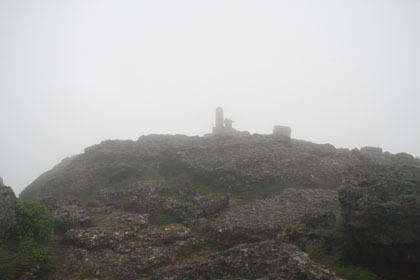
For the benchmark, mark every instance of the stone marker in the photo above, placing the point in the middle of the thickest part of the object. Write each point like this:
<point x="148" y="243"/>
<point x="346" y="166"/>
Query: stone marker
<point x="280" y="130"/>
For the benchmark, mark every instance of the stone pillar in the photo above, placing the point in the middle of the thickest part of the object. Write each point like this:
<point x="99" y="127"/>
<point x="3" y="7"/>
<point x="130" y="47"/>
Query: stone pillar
<point x="280" y="130"/>
<point x="219" y="118"/>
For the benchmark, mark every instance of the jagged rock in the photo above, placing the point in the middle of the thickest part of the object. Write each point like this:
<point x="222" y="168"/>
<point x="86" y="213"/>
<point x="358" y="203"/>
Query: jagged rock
<point x="319" y="219"/>
<point x="68" y="209"/>
<point x="124" y="246"/>
<point x="143" y="197"/>
<point x="372" y="150"/>
<point x="7" y="208"/>
<point x="134" y="244"/>
<point x="210" y="204"/>
<point x="264" y="219"/>
<point x="381" y="213"/>
<point x="226" y="163"/>
<point x="266" y="260"/>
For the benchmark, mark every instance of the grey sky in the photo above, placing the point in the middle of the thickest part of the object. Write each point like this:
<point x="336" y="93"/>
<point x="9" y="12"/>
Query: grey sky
<point x="74" y="73"/>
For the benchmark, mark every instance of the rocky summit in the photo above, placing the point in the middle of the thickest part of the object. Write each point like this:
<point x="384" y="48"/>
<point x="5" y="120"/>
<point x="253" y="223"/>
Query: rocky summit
<point x="228" y="206"/>
<point x="225" y="163"/>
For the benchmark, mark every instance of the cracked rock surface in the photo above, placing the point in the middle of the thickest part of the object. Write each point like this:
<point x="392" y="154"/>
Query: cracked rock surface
<point x="265" y="218"/>
<point x="381" y="212"/>
<point x="264" y="260"/>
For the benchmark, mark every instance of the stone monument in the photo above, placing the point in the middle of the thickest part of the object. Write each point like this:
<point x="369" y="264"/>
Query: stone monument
<point x="219" y="128"/>
<point x="223" y="126"/>
<point x="280" y="130"/>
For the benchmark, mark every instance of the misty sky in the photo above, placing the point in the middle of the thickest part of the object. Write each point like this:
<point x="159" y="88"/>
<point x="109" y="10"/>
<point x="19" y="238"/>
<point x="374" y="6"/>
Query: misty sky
<point x="76" y="72"/>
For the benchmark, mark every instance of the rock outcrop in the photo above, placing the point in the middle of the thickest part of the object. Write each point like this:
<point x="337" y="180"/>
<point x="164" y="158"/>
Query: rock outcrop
<point x="144" y="197"/>
<point x="121" y="245"/>
<point x="7" y="208"/>
<point x="229" y="164"/>
<point x="178" y="207"/>
<point x="264" y="219"/>
<point x="265" y="260"/>
<point x="381" y="212"/>
<point x="67" y="210"/>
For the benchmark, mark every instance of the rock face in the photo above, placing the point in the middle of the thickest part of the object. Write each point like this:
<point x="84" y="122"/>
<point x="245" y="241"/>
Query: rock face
<point x="381" y="213"/>
<point x="264" y="260"/>
<point x="143" y="197"/>
<point x="7" y="208"/>
<point x="226" y="163"/>
<point x="264" y="219"/>
<point x="162" y="205"/>
<point x="121" y="245"/>
<point x="67" y="210"/>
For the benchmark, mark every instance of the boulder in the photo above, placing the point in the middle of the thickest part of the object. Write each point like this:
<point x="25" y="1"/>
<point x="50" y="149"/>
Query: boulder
<point x="143" y="197"/>
<point x="263" y="219"/>
<point x="211" y="204"/>
<point x="122" y="245"/>
<point x="7" y="208"/>
<point x="381" y="213"/>
<point x="68" y="210"/>
<point x="264" y="260"/>
<point x="372" y="150"/>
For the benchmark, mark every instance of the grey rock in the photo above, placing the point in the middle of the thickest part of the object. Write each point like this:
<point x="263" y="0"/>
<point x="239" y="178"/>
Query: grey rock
<point x="67" y="209"/>
<point x="121" y="245"/>
<point x="265" y="218"/>
<point x="373" y="150"/>
<point x="284" y="131"/>
<point x="143" y="197"/>
<point x="381" y="213"/>
<point x="264" y="260"/>
<point x="210" y="204"/>
<point x="227" y="163"/>
<point x="7" y="209"/>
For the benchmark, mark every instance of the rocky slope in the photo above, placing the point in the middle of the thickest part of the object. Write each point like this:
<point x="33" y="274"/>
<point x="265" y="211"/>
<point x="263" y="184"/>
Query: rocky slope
<point x="178" y="207"/>
<point x="265" y="218"/>
<point x="228" y="164"/>
<point x="131" y="245"/>
<point x="265" y="260"/>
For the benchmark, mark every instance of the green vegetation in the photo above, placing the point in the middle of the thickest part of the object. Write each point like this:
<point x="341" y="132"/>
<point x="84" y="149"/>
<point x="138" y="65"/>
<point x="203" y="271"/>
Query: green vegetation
<point x="205" y="231"/>
<point x="281" y="236"/>
<point x="191" y="208"/>
<point x="161" y="218"/>
<point x="265" y="191"/>
<point x="331" y="254"/>
<point x="62" y="225"/>
<point x="332" y="258"/>
<point x="33" y="221"/>
<point x="337" y="232"/>
<point x="27" y="243"/>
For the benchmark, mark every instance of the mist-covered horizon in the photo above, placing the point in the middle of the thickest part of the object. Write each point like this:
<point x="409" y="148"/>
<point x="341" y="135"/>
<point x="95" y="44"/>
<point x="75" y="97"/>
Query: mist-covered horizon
<point x="75" y="73"/>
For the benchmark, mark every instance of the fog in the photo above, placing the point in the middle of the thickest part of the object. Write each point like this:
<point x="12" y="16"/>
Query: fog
<point x="74" y="73"/>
